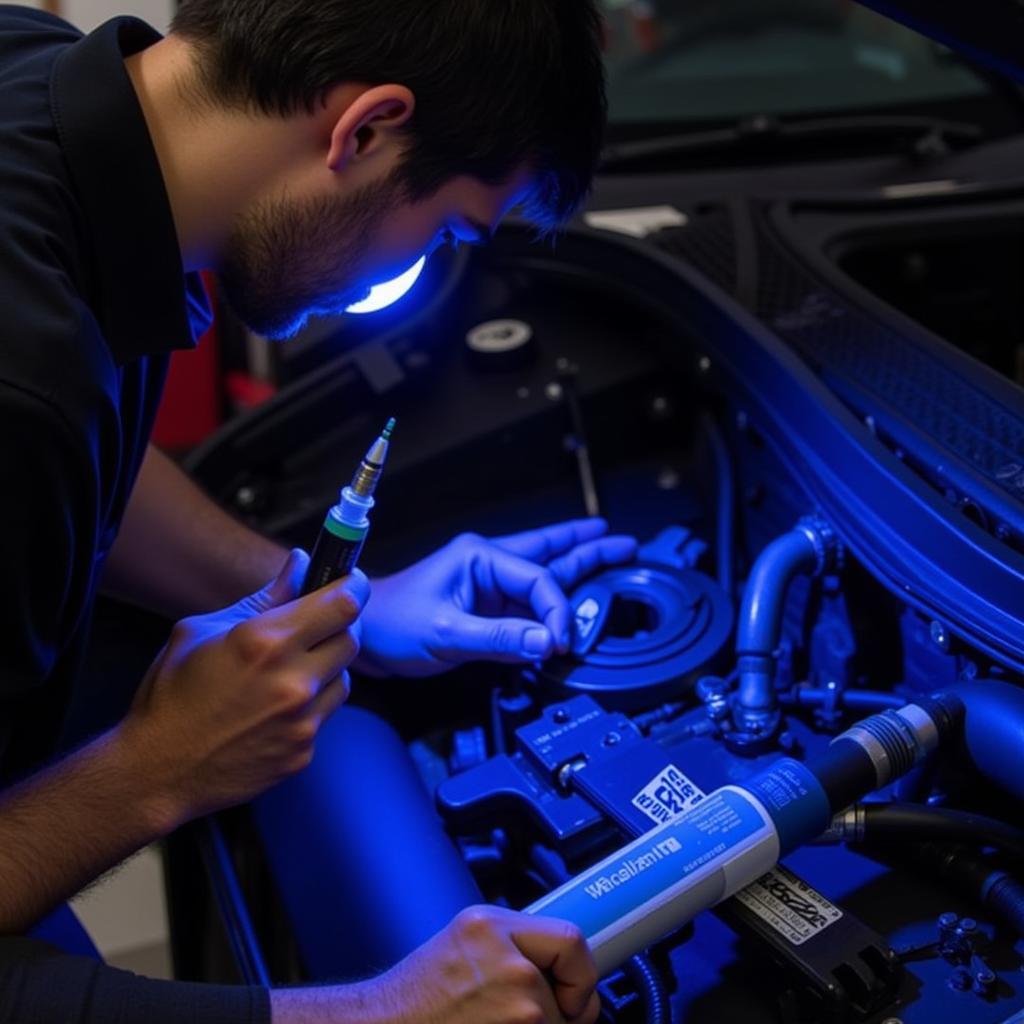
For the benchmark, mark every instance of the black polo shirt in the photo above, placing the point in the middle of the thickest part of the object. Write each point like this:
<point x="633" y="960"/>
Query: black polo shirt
<point x="93" y="299"/>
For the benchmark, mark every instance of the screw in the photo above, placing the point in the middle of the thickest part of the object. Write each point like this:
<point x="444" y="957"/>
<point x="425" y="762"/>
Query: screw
<point x="611" y="740"/>
<point x="939" y="636"/>
<point x="553" y="391"/>
<point x="561" y="716"/>
<point x="947" y="924"/>
<point x="983" y="982"/>
<point x="704" y="364"/>
<point x="567" y="771"/>
<point x="960" y="979"/>
<point x="984" y="976"/>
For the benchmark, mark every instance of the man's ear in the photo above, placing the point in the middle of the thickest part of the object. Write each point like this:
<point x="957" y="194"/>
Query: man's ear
<point x="368" y="122"/>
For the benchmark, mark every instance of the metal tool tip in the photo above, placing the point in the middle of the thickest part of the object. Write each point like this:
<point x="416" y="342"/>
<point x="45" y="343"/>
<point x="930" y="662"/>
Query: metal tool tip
<point x="388" y="429"/>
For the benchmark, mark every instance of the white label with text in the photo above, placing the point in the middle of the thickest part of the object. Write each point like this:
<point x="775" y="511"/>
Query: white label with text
<point x="668" y="795"/>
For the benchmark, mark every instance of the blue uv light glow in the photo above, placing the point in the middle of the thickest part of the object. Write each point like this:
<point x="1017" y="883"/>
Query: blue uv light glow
<point x="383" y="295"/>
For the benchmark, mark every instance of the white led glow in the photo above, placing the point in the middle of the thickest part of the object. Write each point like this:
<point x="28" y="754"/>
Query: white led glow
<point x="383" y="295"/>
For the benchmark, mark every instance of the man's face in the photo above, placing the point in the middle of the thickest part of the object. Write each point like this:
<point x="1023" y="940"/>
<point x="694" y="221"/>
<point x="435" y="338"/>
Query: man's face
<point x="293" y="257"/>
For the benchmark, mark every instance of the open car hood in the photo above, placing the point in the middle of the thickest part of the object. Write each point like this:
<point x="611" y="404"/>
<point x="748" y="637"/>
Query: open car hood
<point x="990" y="32"/>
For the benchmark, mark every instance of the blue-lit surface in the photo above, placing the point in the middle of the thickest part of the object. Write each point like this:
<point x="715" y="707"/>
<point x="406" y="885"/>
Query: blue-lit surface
<point x="387" y="294"/>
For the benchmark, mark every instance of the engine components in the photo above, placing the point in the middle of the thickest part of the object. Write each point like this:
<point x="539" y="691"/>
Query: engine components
<point x="640" y="631"/>
<point x="833" y="965"/>
<point x="662" y="880"/>
<point x="811" y="548"/>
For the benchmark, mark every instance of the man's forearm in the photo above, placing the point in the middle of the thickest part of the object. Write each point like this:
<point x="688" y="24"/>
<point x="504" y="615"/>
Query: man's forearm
<point x="178" y="552"/>
<point x="333" y="1004"/>
<point x="64" y="827"/>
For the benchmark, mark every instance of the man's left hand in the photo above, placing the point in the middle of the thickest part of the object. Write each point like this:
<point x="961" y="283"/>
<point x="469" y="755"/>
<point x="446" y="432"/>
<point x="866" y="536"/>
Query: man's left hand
<point x="502" y="599"/>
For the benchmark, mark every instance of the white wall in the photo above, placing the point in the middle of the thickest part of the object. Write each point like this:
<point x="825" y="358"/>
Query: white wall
<point x="87" y="14"/>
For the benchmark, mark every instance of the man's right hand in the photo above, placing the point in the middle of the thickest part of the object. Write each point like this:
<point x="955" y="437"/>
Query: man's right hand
<point x="233" y="703"/>
<point x="493" y="966"/>
<point x="489" y="966"/>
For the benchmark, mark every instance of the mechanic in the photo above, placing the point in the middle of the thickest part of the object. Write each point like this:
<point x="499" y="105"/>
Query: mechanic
<point x="304" y="150"/>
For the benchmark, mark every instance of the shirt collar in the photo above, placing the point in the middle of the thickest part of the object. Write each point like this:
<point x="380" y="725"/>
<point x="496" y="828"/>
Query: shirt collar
<point x="144" y="301"/>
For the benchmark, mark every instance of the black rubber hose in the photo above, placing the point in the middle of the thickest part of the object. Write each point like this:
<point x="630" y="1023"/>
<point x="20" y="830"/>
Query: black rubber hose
<point x="847" y="700"/>
<point x="975" y="874"/>
<point x="651" y="987"/>
<point x="923" y="824"/>
<point x="1006" y="897"/>
<point x="994" y="731"/>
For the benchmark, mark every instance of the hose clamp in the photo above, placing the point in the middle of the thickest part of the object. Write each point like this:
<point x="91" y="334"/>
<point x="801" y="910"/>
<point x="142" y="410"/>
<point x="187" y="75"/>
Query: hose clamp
<point x="828" y="550"/>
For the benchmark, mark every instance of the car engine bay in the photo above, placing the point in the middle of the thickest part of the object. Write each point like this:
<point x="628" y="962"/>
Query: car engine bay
<point x="810" y="412"/>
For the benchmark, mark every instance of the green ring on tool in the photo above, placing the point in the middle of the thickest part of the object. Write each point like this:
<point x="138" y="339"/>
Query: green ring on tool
<point x="345" y="532"/>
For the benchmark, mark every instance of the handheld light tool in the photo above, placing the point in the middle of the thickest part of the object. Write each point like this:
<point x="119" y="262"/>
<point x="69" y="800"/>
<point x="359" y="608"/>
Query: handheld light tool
<point x="734" y="835"/>
<point x="344" y="531"/>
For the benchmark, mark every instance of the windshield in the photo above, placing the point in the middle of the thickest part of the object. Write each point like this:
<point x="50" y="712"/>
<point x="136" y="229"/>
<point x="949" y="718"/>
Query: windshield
<point x="705" y="60"/>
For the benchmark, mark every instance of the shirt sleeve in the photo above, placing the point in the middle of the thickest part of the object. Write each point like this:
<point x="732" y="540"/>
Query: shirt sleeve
<point x="45" y="526"/>
<point x="51" y="529"/>
<point x="41" y="985"/>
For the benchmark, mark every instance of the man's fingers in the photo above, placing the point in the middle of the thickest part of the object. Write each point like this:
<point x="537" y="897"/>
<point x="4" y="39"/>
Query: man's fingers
<point x="334" y="693"/>
<point x="560" y="949"/>
<point x="284" y="587"/>
<point x="528" y="583"/>
<point x="329" y="658"/>
<point x="461" y="637"/>
<point x="314" y="618"/>
<point x="288" y="583"/>
<point x="586" y="559"/>
<point x="550" y="541"/>
<point x="590" y="1014"/>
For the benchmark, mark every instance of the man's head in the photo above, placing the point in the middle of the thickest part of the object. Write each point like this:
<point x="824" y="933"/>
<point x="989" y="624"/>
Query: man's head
<point x="439" y="115"/>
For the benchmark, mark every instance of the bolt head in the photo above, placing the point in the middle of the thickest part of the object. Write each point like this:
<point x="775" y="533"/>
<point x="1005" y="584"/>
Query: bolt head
<point x="960" y="979"/>
<point x="939" y="635"/>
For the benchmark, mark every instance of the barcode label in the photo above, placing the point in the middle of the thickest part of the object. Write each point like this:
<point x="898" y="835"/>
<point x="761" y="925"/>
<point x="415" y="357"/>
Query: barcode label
<point x="789" y="905"/>
<point x="668" y="795"/>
